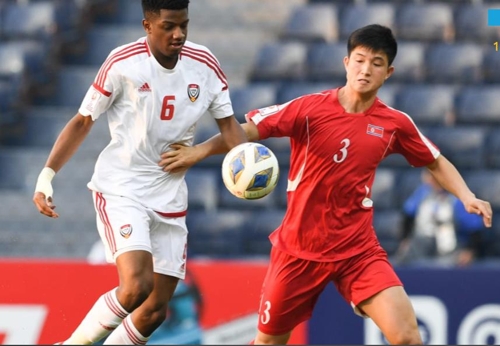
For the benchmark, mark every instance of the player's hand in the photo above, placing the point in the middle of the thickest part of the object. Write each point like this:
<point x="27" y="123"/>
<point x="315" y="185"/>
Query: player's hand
<point x="45" y="205"/>
<point x="178" y="159"/>
<point x="480" y="207"/>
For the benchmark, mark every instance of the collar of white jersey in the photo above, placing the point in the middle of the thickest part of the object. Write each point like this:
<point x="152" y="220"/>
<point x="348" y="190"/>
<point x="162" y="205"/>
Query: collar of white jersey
<point x="157" y="64"/>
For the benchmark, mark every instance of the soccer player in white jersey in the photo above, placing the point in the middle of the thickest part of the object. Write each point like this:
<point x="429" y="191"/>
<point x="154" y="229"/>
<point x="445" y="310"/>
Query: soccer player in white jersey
<point x="338" y="138"/>
<point x="152" y="92"/>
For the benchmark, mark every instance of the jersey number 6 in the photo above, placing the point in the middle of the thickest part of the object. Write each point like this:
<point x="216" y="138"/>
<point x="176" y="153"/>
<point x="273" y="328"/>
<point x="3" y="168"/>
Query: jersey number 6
<point x="167" y="109"/>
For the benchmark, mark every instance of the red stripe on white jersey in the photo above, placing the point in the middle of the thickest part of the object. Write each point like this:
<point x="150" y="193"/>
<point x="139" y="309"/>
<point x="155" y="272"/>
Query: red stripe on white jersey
<point x="207" y="55"/>
<point x="210" y="65"/>
<point x="108" y="230"/>
<point x="125" y="53"/>
<point x="101" y="90"/>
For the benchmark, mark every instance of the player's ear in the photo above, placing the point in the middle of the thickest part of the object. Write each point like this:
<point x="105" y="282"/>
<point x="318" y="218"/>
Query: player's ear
<point x="146" y="25"/>
<point x="346" y="62"/>
<point x="390" y="71"/>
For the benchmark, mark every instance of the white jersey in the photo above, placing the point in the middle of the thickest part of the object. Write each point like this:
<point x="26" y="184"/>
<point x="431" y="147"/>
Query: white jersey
<point x="149" y="108"/>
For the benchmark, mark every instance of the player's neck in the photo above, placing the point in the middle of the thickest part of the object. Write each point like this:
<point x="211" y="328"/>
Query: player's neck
<point x="355" y="102"/>
<point x="167" y="62"/>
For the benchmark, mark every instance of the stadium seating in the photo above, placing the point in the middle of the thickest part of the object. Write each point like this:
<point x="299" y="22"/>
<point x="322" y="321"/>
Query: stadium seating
<point x="53" y="22"/>
<point x="312" y="23"/>
<point x="72" y="85"/>
<point x="128" y="12"/>
<point x="454" y="63"/>
<point x="103" y="38"/>
<point x="491" y="66"/>
<point x="216" y="234"/>
<point x="384" y="189"/>
<point x="464" y="146"/>
<point x="478" y="105"/>
<point x="356" y="16"/>
<point x="407" y="180"/>
<point x="493" y="148"/>
<point x="447" y="79"/>
<point x="469" y="24"/>
<point x="486" y="185"/>
<point x="252" y="96"/>
<point x="425" y="22"/>
<point x="387" y="93"/>
<point x="46" y="119"/>
<point x="203" y="188"/>
<point x="20" y="61"/>
<point x="7" y="100"/>
<point x="280" y="61"/>
<point x="257" y="231"/>
<point x="409" y="62"/>
<point x="387" y="225"/>
<point x="325" y="61"/>
<point x="427" y="104"/>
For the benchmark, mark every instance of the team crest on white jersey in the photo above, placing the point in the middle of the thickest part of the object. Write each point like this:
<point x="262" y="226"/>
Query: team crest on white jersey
<point x="126" y="231"/>
<point x="193" y="92"/>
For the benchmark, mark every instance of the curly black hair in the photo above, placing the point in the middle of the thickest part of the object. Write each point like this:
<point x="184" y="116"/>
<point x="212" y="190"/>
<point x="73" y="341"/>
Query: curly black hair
<point x="154" y="6"/>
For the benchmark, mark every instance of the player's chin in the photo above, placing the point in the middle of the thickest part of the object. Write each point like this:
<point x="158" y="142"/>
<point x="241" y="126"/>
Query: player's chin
<point x="173" y="50"/>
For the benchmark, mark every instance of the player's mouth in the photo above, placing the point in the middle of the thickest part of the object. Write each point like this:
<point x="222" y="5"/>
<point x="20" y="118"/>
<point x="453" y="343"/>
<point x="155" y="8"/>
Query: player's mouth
<point x="364" y="81"/>
<point x="177" y="45"/>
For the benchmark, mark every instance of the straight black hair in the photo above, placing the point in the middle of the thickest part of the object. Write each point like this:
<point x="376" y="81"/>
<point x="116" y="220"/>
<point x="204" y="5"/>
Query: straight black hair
<point x="375" y="37"/>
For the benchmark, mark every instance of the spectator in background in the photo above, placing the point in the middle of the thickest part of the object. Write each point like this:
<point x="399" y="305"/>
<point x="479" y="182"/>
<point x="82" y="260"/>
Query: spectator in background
<point x="436" y="227"/>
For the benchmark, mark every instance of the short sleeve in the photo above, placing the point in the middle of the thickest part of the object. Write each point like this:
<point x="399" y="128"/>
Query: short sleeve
<point x="101" y="94"/>
<point x="277" y="120"/>
<point x="221" y="106"/>
<point x="413" y="145"/>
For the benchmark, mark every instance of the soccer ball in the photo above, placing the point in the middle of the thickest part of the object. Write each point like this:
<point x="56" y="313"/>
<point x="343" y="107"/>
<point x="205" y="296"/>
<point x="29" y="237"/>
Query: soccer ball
<point x="250" y="171"/>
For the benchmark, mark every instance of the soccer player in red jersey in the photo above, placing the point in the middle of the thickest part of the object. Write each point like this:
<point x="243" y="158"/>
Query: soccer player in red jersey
<point x="338" y="138"/>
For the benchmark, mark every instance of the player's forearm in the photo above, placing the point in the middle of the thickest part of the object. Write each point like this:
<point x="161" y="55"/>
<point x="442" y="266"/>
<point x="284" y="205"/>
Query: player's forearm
<point x="231" y="134"/>
<point x="450" y="179"/>
<point x="68" y="141"/>
<point x="212" y="146"/>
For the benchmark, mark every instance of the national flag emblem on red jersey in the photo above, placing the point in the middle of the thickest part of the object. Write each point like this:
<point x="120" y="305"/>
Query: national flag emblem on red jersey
<point x="193" y="91"/>
<point x="375" y="130"/>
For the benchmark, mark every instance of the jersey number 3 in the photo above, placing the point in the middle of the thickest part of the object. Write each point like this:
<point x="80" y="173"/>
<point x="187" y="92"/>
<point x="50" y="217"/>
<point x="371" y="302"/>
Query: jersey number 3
<point x="167" y="109"/>
<point x="339" y="157"/>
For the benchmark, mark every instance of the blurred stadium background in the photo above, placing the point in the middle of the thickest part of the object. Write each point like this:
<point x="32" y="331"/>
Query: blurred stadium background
<point x="447" y="78"/>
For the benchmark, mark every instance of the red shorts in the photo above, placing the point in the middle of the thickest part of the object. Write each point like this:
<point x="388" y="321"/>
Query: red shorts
<point x="292" y="285"/>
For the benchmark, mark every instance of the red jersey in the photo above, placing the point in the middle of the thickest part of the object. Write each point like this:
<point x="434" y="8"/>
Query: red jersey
<point x="334" y="156"/>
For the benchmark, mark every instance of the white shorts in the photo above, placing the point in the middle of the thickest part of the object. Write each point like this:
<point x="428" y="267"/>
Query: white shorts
<point x="125" y="225"/>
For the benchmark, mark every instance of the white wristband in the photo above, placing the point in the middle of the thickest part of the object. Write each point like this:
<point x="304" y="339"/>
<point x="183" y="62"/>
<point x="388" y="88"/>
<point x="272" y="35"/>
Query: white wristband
<point x="44" y="182"/>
